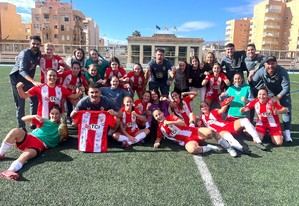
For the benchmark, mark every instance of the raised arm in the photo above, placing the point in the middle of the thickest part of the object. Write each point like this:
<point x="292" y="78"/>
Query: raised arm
<point x="21" y="92"/>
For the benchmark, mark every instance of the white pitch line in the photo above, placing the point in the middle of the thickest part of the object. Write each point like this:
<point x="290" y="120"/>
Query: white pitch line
<point x="206" y="176"/>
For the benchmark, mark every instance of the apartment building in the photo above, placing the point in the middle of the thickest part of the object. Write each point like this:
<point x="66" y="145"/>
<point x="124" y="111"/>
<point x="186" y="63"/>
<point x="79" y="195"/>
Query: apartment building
<point x="237" y="31"/>
<point x="267" y="29"/>
<point x="292" y="25"/>
<point x="91" y="31"/>
<point x="59" y="23"/>
<point x="11" y="26"/>
<point x="275" y="25"/>
<point x="142" y="49"/>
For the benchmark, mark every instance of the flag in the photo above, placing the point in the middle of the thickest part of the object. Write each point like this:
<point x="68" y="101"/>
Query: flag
<point x="157" y="27"/>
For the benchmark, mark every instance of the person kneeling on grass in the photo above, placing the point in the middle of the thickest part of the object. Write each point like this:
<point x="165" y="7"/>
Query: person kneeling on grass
<point x="129" y="132"/>
<point x="267" y="110"/>
<point x="47" y="135"/>
<point x="175" y="129"/>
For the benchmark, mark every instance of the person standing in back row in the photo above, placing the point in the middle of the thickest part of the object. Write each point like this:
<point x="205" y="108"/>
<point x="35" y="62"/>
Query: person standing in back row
<point x="157" y="73"/>
<point x="24" y="71"/>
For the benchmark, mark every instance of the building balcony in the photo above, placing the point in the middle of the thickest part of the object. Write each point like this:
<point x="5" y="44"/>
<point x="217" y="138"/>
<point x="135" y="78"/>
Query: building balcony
<point x="273" y="27"/>
<point x="271" y="19"/>
<point x="228" y="33"/>
<point x="268" y="34"/>
<point x="270" y="43"/>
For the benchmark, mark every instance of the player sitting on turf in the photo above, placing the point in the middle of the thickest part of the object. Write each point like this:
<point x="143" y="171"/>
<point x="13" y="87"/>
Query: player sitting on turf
<point x="173" y="128"/>
<point x="129" y="132"/>
<point x="213" y="119"/>
<point x="181" y="107"/>
<point x="47" y="135"/>
<point x="267" y="111"/>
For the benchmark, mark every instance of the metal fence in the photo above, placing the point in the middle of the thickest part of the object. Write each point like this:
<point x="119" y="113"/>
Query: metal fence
<point x="9" y="50"/>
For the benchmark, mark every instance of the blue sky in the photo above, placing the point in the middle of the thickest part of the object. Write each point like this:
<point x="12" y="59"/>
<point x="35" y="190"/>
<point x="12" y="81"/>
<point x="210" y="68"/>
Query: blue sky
<point x="117" y="19"/>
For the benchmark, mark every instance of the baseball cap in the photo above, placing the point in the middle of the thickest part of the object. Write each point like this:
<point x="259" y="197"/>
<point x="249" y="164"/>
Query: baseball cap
<point x="271" y="58"/>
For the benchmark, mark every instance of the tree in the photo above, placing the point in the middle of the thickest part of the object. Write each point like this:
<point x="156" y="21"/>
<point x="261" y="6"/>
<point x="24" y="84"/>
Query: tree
<point x="136" y="33"/>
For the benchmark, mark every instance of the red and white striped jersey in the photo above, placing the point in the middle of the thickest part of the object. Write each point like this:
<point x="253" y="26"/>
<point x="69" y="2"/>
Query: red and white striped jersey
<point x="177" y="133"/>
<point x="128" y="121"/>
<point x="93" y="130"/>
<point x="48" y="97"/>
<point x="46" y="64"/>
<point x="136" y="82"/>
<point x="213" y="120"/>
<point x="215" y="84"/>
<point x="265" y="112"/>
<point x="72" y="82"/>
<point x="185" y="110"/>
<point x="140" y="106"/>
<point x="119" y="73"/>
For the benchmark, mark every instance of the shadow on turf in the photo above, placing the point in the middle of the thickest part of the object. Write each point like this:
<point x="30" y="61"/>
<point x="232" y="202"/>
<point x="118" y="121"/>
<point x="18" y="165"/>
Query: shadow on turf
<point x="54" y="155"/>
<point x="295" y="127"/>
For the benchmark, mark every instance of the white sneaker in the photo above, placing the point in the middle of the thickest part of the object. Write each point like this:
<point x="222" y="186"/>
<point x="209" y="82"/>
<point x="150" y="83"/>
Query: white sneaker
<point x="288" y="139"/>
<point x="214" y="148"/>
<point x="287" y="136"/>
<point x="232" y="152"/>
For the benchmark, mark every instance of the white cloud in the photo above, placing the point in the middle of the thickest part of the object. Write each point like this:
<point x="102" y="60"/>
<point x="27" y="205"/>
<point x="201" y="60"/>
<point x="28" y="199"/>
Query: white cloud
<point x="26" y="18"/>
<point x="188" y="26"/>
<point x="194" y="26"/>
<point x="244" y="10"/>
<point x="24" y="4"/>
<point x="23" y="8"/>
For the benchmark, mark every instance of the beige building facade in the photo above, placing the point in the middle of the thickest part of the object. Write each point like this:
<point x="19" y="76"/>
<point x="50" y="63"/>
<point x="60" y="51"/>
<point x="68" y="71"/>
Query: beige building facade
<point x="142" y="49"/>
<point x="11" y="26"/>
<point x="292" y="20"/>
<point x="275" y="25"/>
<point x="237" y="32"/>
<point x="267" y="29"/>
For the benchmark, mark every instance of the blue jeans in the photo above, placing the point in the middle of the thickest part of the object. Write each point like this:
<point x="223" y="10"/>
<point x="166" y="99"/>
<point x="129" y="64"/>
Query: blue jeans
<point x="20" y="102"/>
<point x="286" y="117"/>
<point x="163" y="86"/>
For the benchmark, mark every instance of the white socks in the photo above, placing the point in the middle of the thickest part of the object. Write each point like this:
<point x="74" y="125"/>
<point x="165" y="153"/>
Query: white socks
<point x="250" y="129"/>
<point x="15" y="166"/>
<point x="5" y="147"/>
<point x="123" y="138"/>
<point x="232" y="141"/>
<point x="138" y="138"/>
<point x="205" y="149"/>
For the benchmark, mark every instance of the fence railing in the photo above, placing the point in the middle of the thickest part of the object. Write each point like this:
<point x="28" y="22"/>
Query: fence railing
<point x="9" y="50"/>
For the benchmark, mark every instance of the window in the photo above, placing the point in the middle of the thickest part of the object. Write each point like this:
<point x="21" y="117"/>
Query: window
<point x="68" y="37"/>
<point x="55" y="36"/>
<point x="55" y="27"/>
<point x="46" y="16"/>
<point x="66" y="19"/>
<point x="62" y="37"/>
<point x="62" y="27"/>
